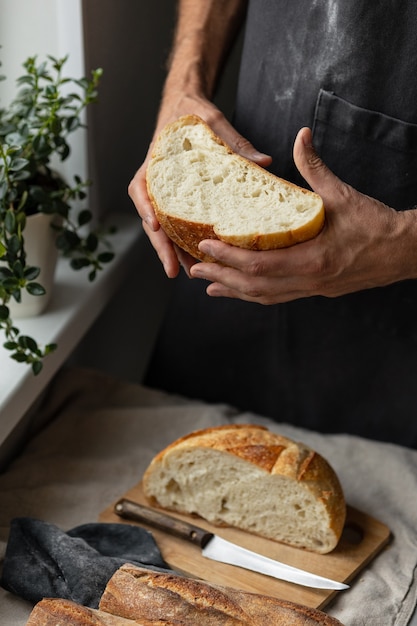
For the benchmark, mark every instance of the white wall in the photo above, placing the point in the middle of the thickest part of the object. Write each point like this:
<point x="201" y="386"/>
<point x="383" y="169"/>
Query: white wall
<point x="41" y="28"/>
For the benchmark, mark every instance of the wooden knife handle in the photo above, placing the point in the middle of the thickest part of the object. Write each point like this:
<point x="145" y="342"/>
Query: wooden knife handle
<point x="139" y="513"/>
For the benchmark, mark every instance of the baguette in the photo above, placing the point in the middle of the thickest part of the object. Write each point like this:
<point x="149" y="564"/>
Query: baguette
<point x="138" y="593"/>
<point x="250" y="478"/>
<point x="60" y="612"/>
<point x="201" y="189"/>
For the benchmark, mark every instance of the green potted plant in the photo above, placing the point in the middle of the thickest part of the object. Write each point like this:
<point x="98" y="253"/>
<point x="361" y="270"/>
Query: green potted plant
<point x="34" y="131"/>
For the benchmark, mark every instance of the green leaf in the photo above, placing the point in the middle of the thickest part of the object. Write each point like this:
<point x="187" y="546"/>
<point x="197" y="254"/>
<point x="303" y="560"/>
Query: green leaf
<point x="28" y="343"/>
<point x="72" y="123"/>
<point x="11" y="284"/>
<point x="18" y="164"/>
<point x="20" y="357"/>
<point x="92" y="242"/>
<point x="24" y="79"/>
<point x="22" y="175"/>
<point x="31" y="273"/>
<point x="17" y="294"/>
<point x="105" y="257"/>
<point x="4" y="312"/>
<point x="10" y="222"/>
<point x="35" y="289"/>
<point x="84" y="217"/>
<point x="14" y="244"/>
<point x="10" y="345"/>
<point x="68" y="240"/>
<point x="18" y="269"/>
<point x="37" y="367"/>
<point x="79" y="263"/>
<point x="56" y="126"/>
<point x="64" y="152"/>
<point x="5" y="272"/>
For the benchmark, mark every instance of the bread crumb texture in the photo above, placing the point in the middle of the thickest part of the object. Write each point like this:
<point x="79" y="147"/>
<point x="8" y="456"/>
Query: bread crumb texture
<point x="200" y="188"/>
<point x="250" y="478"/>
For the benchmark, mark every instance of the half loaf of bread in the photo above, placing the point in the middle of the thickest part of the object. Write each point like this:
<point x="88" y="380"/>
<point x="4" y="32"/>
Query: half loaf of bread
<point x="250" y="478"/>
<point x="201" y="189"/>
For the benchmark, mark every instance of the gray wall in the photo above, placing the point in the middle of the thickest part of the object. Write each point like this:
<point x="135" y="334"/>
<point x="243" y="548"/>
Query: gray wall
<point x="130" y="40"/>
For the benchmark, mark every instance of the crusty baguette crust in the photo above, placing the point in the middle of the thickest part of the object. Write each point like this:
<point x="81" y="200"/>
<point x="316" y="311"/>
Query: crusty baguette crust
<point x="275" y="455"/>
<point x="138" y="593"/>
<point x="187" y="233"/>
<point x="60" y="612"/>
<point x="136" y="596"/>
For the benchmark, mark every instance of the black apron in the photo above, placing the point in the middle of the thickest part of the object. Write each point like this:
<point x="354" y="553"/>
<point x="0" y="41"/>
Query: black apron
<point x="347" y="69"/>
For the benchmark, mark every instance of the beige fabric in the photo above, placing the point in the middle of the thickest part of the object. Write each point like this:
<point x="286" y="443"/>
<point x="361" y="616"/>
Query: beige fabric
<point x="104" y="432"/>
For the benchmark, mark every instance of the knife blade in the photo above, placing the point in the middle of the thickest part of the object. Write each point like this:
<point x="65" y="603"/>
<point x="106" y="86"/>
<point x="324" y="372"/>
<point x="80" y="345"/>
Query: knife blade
<point x="219" y="549"/>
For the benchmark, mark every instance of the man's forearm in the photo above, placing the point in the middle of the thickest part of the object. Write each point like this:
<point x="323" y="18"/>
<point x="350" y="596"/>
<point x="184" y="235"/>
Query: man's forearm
<point x="204" y="33"/>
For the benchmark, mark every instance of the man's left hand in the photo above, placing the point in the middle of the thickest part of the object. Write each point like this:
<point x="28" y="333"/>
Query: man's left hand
<point x="363" y="244"/>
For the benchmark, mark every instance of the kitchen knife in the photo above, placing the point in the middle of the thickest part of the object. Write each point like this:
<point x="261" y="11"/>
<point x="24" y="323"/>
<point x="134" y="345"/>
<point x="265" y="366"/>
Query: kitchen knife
<point x="218" y="549"/>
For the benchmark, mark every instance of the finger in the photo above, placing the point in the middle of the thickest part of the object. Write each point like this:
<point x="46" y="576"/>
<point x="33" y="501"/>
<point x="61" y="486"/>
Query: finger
<point x="237" y="142"/>
<point x="311" y="167"/>
<point x="232" y="256"/>
<point x="186" y="260"/>
<point x="280" y="262"/>
<point x="227" y="281"/>
<point x="218" y="290"/>
<point x="244" y="147"/>
<point x="164" y="249"/>
<point x="139" y="195"/>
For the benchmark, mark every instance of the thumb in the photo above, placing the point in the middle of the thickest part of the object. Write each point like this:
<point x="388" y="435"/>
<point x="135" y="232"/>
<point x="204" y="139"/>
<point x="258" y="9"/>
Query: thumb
<point x="314" y="171"/>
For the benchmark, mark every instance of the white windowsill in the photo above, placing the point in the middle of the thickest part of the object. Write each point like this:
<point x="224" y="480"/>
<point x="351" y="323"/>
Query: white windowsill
<point x="74" y="306"/>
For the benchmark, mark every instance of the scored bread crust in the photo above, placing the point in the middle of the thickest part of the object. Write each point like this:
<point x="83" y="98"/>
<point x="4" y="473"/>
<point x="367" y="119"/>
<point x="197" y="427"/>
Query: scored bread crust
<point x="62" y="612"/>
<point x="187" y="232"/>
<point x="139" y="593"/>
<point x="251" y="459"/>
<point x="137" y="596"/>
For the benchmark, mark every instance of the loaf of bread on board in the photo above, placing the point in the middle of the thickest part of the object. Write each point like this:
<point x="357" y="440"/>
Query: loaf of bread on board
<point x="253" y="479"/>
<point x="201" y="189"/>
<point x="142" y="594"/>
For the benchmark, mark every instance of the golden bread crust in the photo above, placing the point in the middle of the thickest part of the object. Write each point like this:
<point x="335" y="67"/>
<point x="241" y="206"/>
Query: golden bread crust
<point x="270" y="452"/>
<point x="60" y="612"/>
<point x="138" y="593"/>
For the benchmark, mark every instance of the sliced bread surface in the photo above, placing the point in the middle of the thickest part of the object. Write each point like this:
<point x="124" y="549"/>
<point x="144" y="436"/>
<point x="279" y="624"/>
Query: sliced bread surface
<point x="201" y="189"/>
<point x="251" y="478"/>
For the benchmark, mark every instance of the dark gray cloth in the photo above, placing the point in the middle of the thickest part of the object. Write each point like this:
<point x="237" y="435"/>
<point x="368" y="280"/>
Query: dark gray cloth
<point x="347" y="70"/>
<point x="43" y="561"/>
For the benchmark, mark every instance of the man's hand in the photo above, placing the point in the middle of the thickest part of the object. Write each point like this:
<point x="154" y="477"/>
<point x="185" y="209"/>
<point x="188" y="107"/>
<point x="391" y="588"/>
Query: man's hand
<point x="363" y="244"/>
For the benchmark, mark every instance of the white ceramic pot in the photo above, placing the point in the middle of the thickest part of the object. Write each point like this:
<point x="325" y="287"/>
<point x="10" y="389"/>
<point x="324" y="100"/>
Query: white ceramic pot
<point x="40" y="252"/>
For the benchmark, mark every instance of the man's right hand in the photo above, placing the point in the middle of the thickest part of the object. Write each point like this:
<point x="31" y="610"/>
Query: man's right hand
<point x="171" y="257"/>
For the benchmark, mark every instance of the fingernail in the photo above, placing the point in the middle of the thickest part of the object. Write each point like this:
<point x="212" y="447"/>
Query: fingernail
<point x="307" y="139"/>
<point x="205" y="246"/>
<point x="195" y="271"/>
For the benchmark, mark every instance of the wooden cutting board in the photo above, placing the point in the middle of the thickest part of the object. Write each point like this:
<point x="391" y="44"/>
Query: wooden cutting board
<point x="362" y="539"/>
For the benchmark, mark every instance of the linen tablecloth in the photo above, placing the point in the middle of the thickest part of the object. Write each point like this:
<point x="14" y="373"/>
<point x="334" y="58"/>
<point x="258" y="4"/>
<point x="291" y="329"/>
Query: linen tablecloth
<point x="101" y="433"/>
